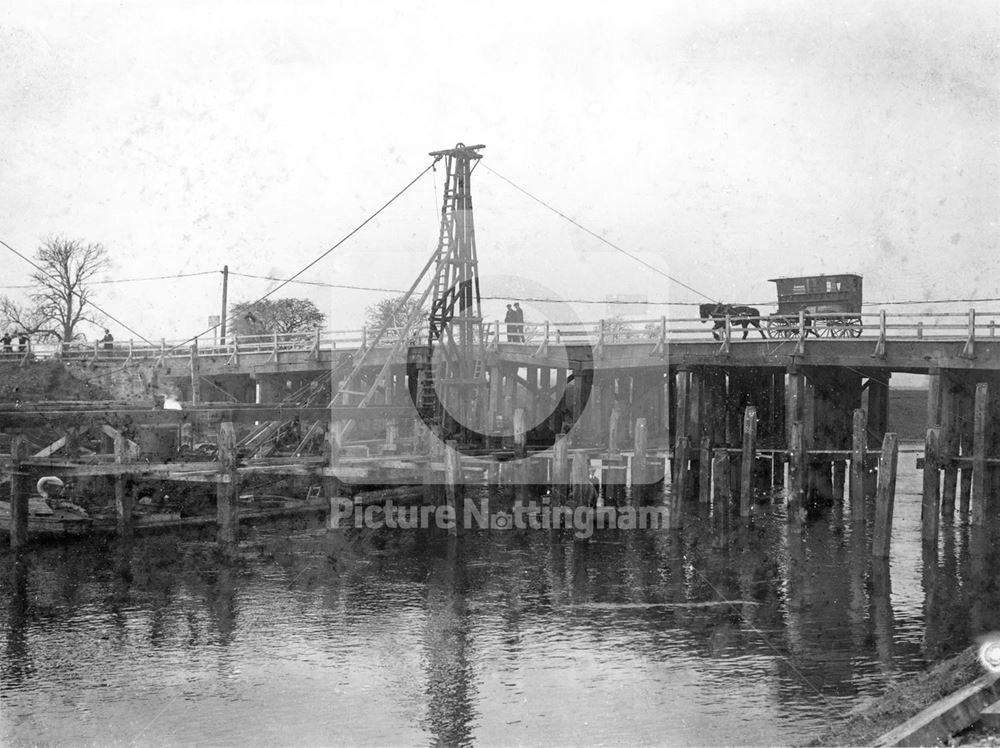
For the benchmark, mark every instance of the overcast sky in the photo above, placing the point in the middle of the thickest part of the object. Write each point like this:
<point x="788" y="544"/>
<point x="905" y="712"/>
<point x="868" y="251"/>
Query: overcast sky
<point x="725" y="143"/>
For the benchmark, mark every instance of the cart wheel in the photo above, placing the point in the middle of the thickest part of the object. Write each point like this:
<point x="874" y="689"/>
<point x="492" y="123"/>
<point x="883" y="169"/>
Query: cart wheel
<point x="849" y="327"/>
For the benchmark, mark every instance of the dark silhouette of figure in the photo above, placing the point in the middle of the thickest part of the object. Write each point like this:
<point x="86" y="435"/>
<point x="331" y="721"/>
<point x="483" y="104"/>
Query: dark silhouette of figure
<point x="22" y="341"/>
<point x="6" y="340"/>
<point x="108" y="340"/>
<point x="509" y="320"/>
<point x="519" y="322"/>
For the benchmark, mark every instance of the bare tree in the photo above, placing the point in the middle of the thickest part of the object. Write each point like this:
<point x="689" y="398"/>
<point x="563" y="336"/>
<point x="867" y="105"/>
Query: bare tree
<point x="62" y="299"/>
<point x="17" y="318"/>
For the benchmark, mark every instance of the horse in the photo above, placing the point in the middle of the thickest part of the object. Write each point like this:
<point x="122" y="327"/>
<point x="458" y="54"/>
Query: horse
<point x="744" y="316"/>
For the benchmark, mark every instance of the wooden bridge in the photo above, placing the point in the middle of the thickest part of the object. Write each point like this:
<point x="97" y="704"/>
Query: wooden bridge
<point x="896" y="342"/>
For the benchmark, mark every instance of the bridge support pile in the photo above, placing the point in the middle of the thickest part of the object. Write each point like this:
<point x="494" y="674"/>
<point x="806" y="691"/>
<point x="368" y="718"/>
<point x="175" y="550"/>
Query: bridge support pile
<point x="962" y="450"/>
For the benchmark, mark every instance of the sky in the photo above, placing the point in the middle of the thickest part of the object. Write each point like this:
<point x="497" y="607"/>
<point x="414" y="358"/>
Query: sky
<point x="722" y="143"/>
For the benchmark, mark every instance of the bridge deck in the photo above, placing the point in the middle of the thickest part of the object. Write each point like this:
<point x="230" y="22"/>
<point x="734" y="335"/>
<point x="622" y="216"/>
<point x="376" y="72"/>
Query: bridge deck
<point x="904" y="343"/>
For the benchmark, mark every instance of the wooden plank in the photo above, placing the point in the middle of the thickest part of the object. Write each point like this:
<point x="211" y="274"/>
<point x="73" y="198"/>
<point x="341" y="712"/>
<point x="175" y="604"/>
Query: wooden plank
<point x="749" y="459"/>
<point x="885" y="496"/>
<point x="114" y="433"/>
<point x="126" y="468"/>
<point x="52" y="448"/>
<point x="990" y="716"/>
<point x="249" y="413"/>
<point x="944" y="718"/>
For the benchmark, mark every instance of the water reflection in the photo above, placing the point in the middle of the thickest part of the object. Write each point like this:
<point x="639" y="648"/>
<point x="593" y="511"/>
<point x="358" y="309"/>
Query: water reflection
<point x="724" y="632"/>
<point x="451" y="690"/>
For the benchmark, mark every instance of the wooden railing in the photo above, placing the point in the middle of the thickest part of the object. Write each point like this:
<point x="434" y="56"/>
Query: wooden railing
<point x="878" y="326"/>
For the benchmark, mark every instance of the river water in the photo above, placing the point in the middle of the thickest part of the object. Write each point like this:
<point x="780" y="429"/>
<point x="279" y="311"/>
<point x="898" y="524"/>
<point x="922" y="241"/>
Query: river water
<point x="760" y="634"/>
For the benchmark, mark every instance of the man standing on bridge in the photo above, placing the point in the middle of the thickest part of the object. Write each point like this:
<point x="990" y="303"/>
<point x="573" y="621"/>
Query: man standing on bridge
<point x="519" y="322"/>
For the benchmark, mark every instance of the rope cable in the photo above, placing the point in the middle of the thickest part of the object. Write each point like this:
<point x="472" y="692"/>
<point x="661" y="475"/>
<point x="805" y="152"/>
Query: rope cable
<point x="323" y="255"/>
<point x="598" y="236"/>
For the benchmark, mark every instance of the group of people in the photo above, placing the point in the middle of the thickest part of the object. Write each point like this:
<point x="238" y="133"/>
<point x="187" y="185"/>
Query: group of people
<point x="514" y="320"/>
<point x="8" y="338"/>
<point x="8" y="341"/>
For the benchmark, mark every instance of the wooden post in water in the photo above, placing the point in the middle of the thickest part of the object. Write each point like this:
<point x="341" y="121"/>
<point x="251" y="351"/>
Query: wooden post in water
<point x="950" y="441"/>
<point x="18" y="493"/>
<point x="979" y="474"/>
<point x="682" y="454"/>
<point x="520" y="432"/>
<point x="195" y="373"/>
<point x="720" y="485"/>
<point x="496" y="396"/>
<point x="885" y="496"/>
<point x="640" y="462"/>
<point x="966" y="435"/>
<point x="228" y="489"/>
<point x="452" y="482"/>
<point x="705" y="471"/>
<point x="930" y="507"/>
<point x="614" y="429"/>
<point x="613" y="479"/>
<point x="839" y="475"/>
<point x="123" y="497"/>
<point x="931" y="493"/>
<point x="797" y="461"/>
<point x="581" y="480"/>
<point x="682" y="420"/>
<point x="560" y="470"/>
<point x="749" y="460"/>
<point x="859" y="447"/>
<point x="391" y="436"/>
<point x="665" y="410"/>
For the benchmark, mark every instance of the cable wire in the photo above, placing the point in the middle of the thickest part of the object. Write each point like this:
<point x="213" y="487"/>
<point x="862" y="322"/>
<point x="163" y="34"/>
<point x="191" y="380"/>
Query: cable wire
<point x="347" y="236"/>
<point x="542" y="299"/>
<point x="598" y="236"/>
<point x="133" y="280"/>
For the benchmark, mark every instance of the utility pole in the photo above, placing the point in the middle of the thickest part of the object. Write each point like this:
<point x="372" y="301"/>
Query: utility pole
<point x="222" y="318"/>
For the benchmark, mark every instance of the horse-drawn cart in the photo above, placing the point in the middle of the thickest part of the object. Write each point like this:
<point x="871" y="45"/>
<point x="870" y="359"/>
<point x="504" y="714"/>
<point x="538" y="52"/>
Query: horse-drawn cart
<point x="832" y="304"/>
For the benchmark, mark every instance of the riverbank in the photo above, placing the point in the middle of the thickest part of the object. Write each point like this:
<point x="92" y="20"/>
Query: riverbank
<point x="910" y="695"/>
